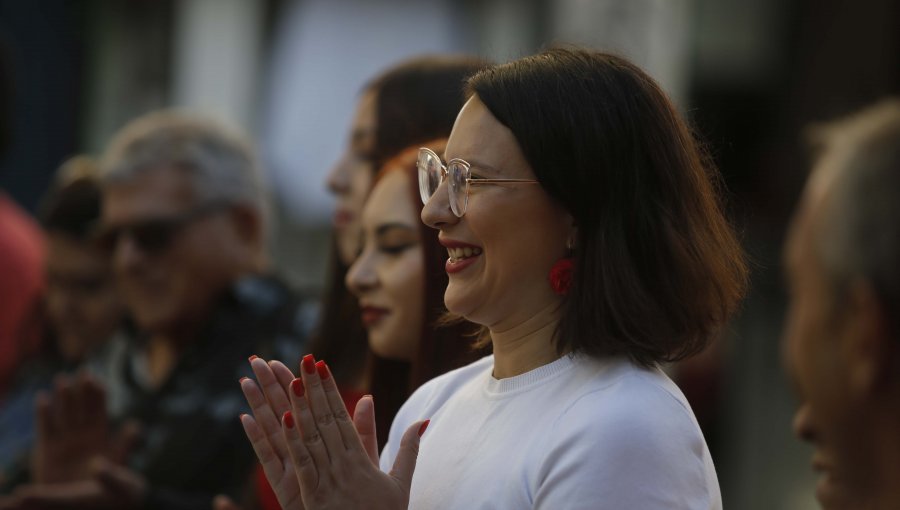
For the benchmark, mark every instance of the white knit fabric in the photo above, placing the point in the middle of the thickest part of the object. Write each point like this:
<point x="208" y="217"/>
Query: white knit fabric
<point x="577" y="433"/>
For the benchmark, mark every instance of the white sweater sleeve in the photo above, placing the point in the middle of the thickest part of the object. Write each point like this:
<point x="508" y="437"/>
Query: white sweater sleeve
<point x="608" y="452"/>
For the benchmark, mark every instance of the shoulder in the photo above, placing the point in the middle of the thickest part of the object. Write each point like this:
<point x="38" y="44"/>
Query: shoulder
<point x="623" y="404"/>
<point x="628" y="431"/>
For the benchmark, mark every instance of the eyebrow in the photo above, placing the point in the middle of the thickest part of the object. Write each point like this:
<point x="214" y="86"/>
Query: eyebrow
<point x="384" y="228"/>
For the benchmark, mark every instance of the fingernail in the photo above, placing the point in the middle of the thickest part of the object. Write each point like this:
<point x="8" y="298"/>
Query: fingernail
<point x="251" y="358"/>
<point x="242" y="379"/>
<point x="289" y="419"/>
<point x="423" y="427"/>
<point x="241" y="417"/>
<point x="297" y="387"/>
<point x="309" y="364"/>
<point x="322" y="368"/>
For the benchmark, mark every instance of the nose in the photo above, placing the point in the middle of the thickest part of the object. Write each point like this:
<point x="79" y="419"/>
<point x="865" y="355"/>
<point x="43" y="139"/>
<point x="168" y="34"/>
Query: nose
<point x="338" y="178"/>
<point x="437" y="213"/>
<point x="126" y="254"/>
<point x="361" y="276"/>
<point x="803" y="424"/>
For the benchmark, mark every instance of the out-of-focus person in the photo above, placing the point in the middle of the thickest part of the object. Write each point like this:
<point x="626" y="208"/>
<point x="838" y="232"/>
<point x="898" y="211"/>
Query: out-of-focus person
<point x="185" y="220"/>
<point x="399" y="279"/>
<point x="21" y="284"/>
<point x="842" y="338"/>
<point x="409" y="103"/>
<point x="81" y="309"/>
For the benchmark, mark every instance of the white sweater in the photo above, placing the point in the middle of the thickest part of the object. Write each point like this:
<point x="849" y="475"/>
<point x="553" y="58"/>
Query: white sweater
<point x="577" y="433"/>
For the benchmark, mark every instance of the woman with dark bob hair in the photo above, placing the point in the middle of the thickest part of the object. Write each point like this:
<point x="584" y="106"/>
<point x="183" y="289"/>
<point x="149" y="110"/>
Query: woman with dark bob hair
<point x="585" y="233"/>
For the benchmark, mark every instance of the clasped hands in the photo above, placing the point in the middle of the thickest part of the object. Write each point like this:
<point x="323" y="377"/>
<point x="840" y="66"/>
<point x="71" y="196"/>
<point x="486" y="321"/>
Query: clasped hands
<point x="313" y="454"/>
<point x="75" y="463"/>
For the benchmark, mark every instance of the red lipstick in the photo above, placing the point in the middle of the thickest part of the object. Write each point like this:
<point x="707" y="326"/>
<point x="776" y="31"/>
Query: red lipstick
<point x="371" y="315"/>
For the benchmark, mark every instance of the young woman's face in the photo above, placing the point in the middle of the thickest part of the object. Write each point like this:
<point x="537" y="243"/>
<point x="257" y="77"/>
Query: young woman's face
<point x="350" y="178"/>
<point x="388" y="276"/>
<point x="502" y="249"/>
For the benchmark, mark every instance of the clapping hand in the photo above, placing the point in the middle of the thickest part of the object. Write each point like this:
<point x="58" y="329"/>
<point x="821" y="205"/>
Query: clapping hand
<point x="73" y="429"/>
<point x="75" y="463"/>
<point x="314" y="456"/>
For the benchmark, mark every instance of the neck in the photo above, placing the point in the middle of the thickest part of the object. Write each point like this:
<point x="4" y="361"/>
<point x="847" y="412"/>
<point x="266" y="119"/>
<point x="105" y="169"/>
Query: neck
<point x="886" y="490"/>
<point x="163" y="353"/>
<point x="526" y="345"/>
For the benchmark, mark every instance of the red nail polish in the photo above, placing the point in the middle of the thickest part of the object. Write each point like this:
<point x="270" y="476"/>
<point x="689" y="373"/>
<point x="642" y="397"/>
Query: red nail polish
<point x="251" y="358"/>
<point x="297" y="387"/>
<point x="322" y="368"/>
<point x="288" y="419"/>
<point x="309" y="364"/>
<point x="423" y="427"/>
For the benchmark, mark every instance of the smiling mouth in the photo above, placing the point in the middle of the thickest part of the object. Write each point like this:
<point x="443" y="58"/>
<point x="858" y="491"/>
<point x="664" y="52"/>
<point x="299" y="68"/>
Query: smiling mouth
<point x="458" y="254"/>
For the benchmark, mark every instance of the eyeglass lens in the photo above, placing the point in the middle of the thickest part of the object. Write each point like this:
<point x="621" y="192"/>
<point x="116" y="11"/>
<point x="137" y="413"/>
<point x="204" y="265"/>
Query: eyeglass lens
<point x="431" y="173"/>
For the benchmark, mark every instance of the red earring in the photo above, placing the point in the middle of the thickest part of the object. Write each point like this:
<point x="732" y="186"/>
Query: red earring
<point x="561" y="276"/>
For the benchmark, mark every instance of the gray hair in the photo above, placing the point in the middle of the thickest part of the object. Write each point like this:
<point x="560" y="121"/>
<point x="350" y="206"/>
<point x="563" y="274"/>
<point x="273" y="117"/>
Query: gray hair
<point x="219" y="160"/>
<point x="859" y="230"/>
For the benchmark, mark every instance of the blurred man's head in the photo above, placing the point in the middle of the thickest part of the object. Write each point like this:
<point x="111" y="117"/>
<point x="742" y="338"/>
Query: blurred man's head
<point x="184" y="215"/>
<point x="842" y="342"/>
<point x="83" y="306"/>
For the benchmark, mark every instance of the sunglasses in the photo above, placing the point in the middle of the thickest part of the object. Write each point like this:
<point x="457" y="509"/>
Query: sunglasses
<point x="156" y="235"/>
<point x="432" y="172"/>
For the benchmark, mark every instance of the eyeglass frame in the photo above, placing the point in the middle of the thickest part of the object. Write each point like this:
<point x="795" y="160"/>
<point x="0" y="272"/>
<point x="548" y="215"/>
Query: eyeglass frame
<point x="469" y="180"/>
<point x="107" y="238"/>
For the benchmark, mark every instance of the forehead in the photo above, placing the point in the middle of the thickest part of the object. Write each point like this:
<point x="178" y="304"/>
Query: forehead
<point x="390" y="202"/>
<point x="479" y="138"/>
<point x="801" y="253"/>
<point x="364" y="117"/>
<point x="148" y="194"/>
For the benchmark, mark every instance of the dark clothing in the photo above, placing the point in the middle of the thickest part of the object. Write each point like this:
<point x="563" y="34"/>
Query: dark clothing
<point x="193" y="446"/>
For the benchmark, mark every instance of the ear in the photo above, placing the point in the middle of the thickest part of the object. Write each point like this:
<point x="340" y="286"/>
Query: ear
<point x="869" y="348"/>
<point x="248" y="224"/>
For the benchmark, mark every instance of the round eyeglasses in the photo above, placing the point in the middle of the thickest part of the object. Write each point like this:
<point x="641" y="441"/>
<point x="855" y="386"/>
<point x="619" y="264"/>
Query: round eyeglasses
<point x="431" y="174"/>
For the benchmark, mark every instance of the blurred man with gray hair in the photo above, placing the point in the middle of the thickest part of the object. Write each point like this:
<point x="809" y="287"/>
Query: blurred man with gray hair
<point x="185" y="220"/>
<point x="842" y="339"/>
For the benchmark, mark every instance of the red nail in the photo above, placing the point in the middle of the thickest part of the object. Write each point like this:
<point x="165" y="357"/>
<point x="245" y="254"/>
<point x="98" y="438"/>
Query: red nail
<point x="322" y="368"/>
<point x="423" y="427"/>
<point x="297" y="387"/>
<point x="289" y="419"/>
<point x="309" y="364"/>
<point x="242" y="379"/>
<point x="251" y="358"/>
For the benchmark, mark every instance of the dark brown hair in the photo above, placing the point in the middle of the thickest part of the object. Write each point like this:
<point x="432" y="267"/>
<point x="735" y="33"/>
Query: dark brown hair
<point x="658" y="268"/>
<point x="417" y="100"/>
<point x="442" y="347"/>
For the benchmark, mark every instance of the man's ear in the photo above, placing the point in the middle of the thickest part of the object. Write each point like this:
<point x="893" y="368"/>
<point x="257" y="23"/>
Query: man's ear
<point x="868" y="346"/>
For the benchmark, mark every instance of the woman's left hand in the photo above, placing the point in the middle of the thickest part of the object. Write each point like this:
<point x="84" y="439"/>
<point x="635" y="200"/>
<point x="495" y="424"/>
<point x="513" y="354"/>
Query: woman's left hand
<point x="332" y="466"/>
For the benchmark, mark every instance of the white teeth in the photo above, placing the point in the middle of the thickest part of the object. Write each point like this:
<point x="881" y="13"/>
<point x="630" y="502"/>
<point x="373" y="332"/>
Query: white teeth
<point x="462" y="253"/>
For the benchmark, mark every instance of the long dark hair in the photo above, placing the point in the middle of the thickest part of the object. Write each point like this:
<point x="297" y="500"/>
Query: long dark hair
<point x="658" y="268"/>
<point x="416" y="100"/>
<point x="442" y="346"/>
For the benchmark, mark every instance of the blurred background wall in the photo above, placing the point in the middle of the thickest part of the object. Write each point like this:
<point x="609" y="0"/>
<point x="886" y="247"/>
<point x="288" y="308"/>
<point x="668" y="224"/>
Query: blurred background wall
<point x="751" y="74"/>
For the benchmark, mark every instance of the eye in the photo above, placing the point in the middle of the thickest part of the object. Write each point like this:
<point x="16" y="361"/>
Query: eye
<point x="395" y="249"/>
